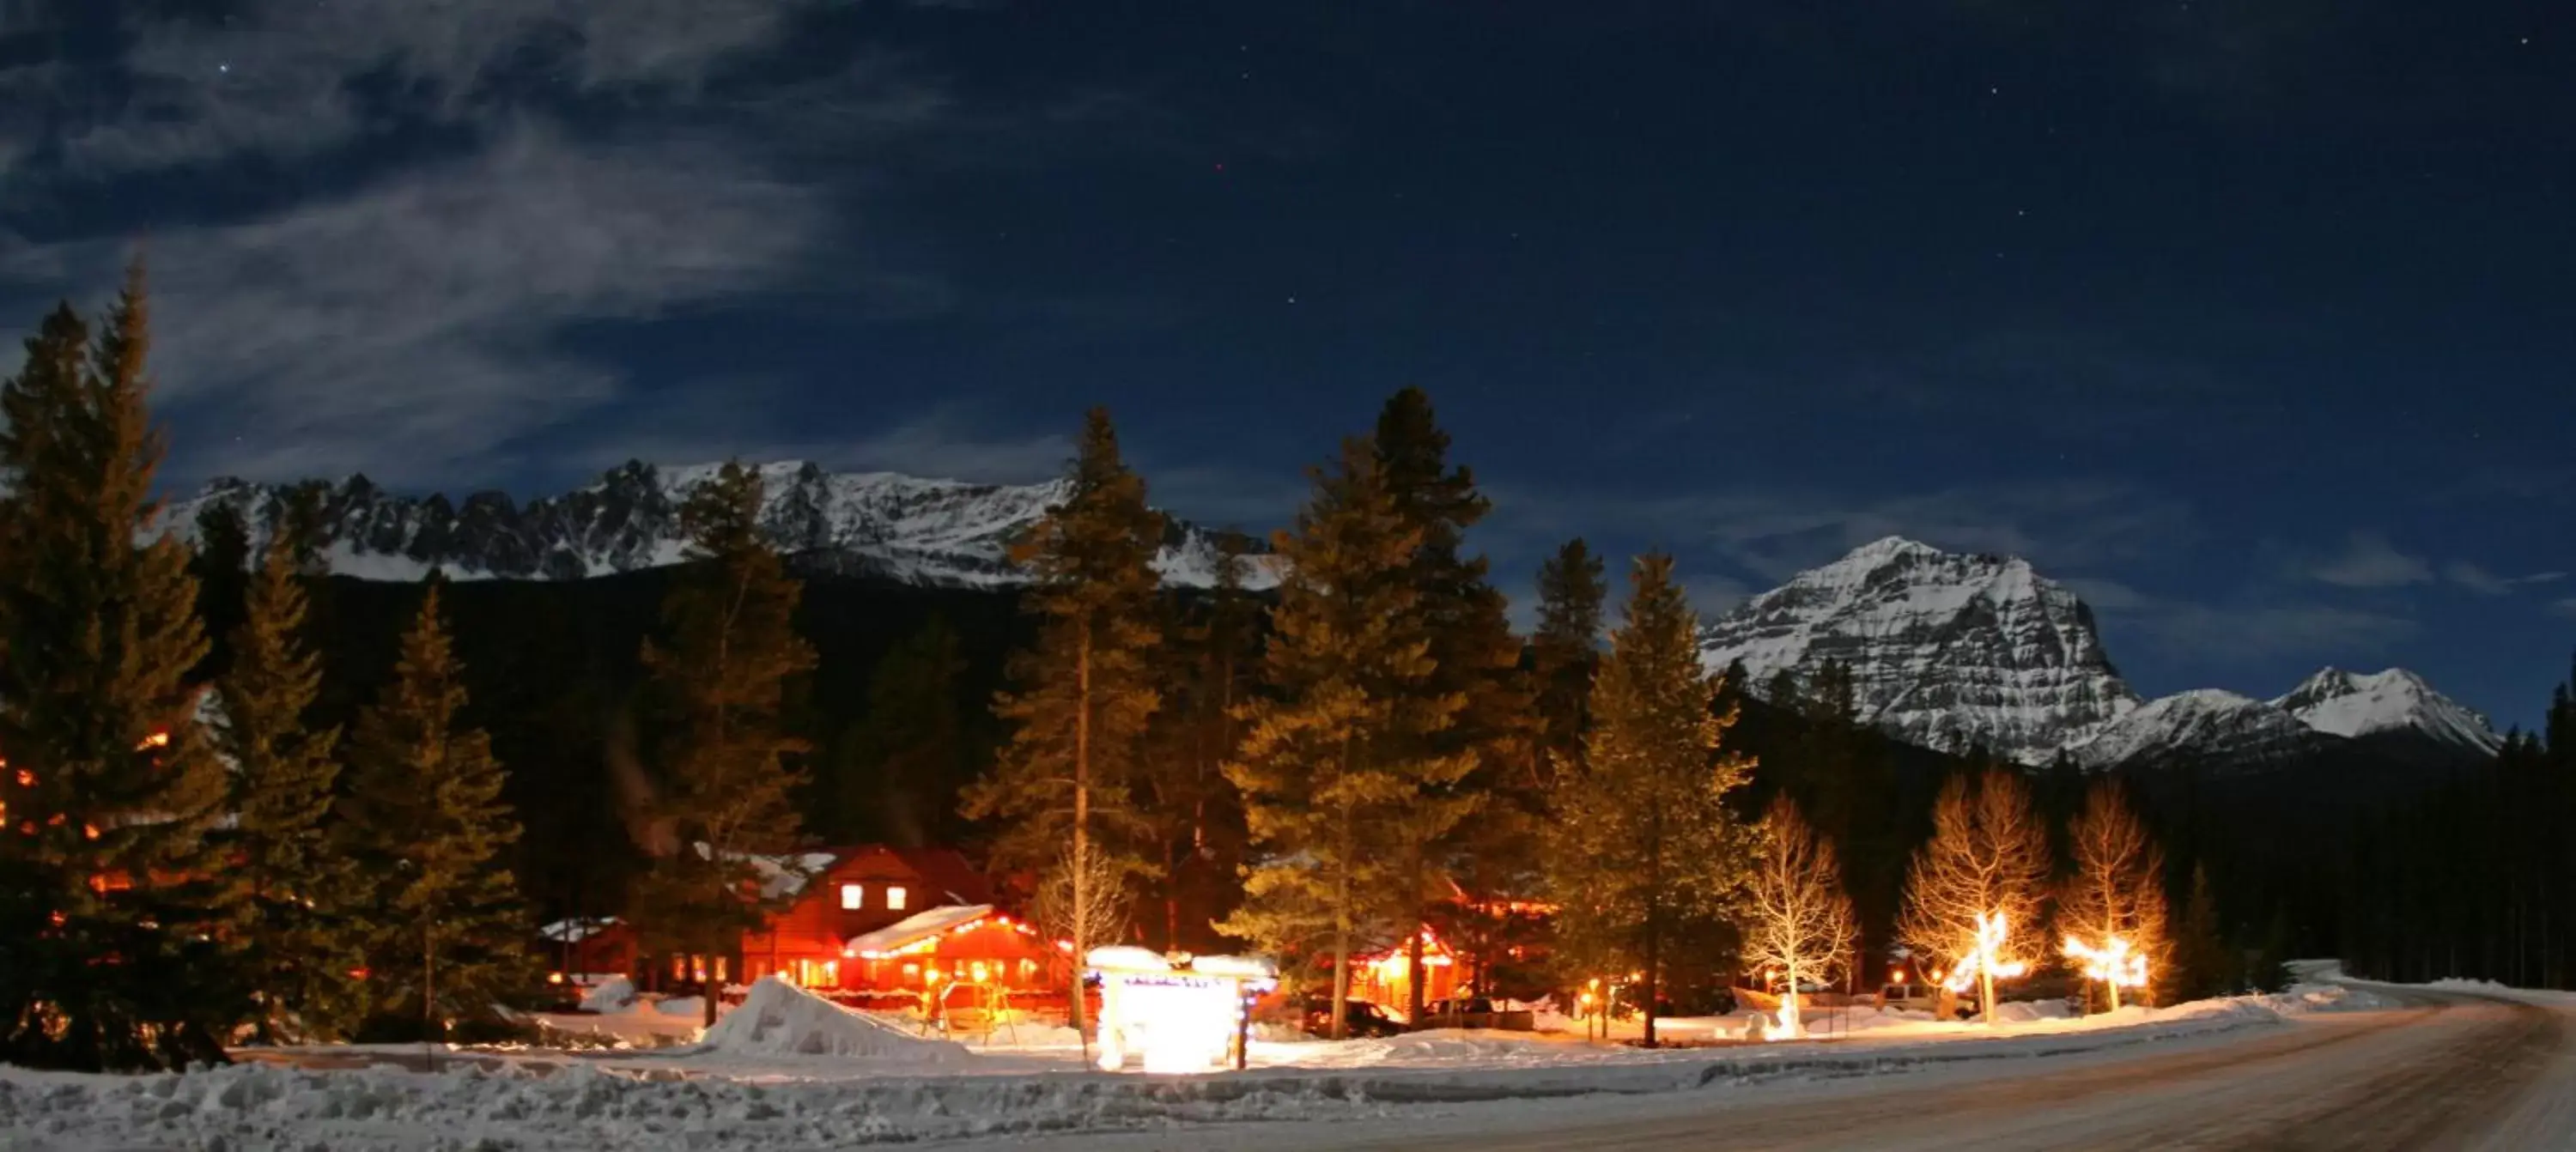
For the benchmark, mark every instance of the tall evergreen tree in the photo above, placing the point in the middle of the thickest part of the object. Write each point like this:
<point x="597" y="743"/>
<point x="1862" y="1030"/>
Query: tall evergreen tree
<point x="1642" y="839"/>
<point x="1988" y="857"/>
<point x="1475" y="660"/>
<point x="1084" y="695"/>
<point x="2199" y="965"/>
<point x="907" y="754"/>
<point x="107" y="894"/>
<point x="2117" y="890"/>
<point x="1564" y="653"/>
<point x="1210" y="656"/>
<point x="430" y="828"/>
<point x="721" y="679"/>
<point x="296" y="889"/>
<point x="1338" y="768"/>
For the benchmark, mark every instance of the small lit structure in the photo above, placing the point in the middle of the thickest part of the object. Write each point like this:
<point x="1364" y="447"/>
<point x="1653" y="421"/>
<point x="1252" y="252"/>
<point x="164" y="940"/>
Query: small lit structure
<point x="1381" y="978"/>
<point x="2116" y="964"/>
<point x="1179" y="1014"/>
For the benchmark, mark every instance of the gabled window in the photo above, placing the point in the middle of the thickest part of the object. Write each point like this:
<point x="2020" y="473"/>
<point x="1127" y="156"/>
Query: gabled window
<point x="894" y="898"/>
<point x="855" y="897"/>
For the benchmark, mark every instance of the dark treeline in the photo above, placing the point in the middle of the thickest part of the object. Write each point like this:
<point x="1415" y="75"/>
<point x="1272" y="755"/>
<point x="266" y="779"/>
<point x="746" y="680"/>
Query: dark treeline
<point x="2477" y="876"/>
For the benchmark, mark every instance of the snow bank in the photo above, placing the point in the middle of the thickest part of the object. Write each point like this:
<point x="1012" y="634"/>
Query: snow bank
<point x="779" y="1019"/>
<point x="610" y="995"/>
<point x="2015" y="1012"/>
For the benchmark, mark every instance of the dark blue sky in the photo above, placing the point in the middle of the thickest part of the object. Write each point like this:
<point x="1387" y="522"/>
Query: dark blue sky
<point x="2252" y="319"/>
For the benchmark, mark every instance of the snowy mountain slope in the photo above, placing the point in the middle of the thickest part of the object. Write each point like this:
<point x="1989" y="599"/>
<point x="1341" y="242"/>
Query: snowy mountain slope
<point x="2395" y="700"/>
<point x="931" y="532"/>
<point x="2207" y="722"/>
<point x="1950" y="651"/>
<point x="1947" y="650"/>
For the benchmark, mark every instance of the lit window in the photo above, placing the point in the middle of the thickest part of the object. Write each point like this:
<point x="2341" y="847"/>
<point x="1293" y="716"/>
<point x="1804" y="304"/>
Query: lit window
<point x="720" y="969"/>
<point x="679" y="967"/>
<point x="855" y="896"/>
<point x="894" y="899"/>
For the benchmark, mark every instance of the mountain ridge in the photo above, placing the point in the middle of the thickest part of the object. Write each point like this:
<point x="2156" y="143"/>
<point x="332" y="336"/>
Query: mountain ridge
<point x="928" y="532"/>
<point x="1961" y="650"/>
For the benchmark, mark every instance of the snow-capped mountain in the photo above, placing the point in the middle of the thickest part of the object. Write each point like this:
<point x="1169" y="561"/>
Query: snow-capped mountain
<point x="2395" y="700"/>
<point x="932" y="532"/>
<point x="1951" y="651"/>
<point x="1946" y="650"/>
<point x="2207" y="722"/>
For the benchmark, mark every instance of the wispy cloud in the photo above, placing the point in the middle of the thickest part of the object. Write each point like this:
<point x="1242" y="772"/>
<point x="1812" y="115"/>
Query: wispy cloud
<point x="2368" y="560"/>
<point x="2239" y="630"/>
<point x="413" y="324"/>
<point x="288" y="78"/>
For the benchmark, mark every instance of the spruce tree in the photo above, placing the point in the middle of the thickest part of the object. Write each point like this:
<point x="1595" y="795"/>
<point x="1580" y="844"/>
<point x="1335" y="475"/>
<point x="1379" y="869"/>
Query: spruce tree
<point x="431" y="829"/>
<point x="1642" y="841"/>
<point x="1210" y="654"/>
<point x="2117" y="891"/>
<point x="907" y="754"/>
<point x="110" y="954"/>
<point x="2200" y="967"/>
<point x="296" y="888"/>
<point x="1490" y="850"/>
<point x="1564" y="652"/>
<point x="1988" y="858"/>
<point x="721" y="679"/>
<point x="1083" y="697"/>
<point x="1338" y="767"/>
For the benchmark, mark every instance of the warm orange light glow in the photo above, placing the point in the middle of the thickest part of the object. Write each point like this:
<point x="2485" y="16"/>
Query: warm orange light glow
<point x="1986" y="957"/>
<point x="26" y="779"/>
<point x="160" y="739"/>
<point x="1896" y="976"/>
<point x="2115" y="963"/>
<point x="554" y="978"/>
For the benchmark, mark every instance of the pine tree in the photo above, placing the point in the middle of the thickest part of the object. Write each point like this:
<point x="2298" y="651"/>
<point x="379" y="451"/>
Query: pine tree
<point x="1337" y="768"/>
<point x="109" y="954"/>
<point x="1084" y="695"/>
<point x="1210" y="654"/>
<point x="2117" y="891"/>
<point x="721" y="680"/>
<point x="295" y="887"/>
<point x="1642" y="840"/>
<point x="1564" y="653"/>
<point x="431" y="828"/>
<point x="1988" y="857"/>
<point x="1797" y="918"/>
<point x="1490" y="850"/>
<point x="2199" y="967"/>
<point x="908" y="752"/>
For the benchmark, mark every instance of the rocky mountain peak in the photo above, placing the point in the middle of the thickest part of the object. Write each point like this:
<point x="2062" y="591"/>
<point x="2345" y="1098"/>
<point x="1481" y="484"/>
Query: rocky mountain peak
<point x="1948" y="650"/>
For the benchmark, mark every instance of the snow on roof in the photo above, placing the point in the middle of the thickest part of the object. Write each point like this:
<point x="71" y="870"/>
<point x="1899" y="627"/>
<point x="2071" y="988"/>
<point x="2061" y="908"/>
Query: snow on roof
<point x="577" y="930"/>
<point x="917" y="927"/>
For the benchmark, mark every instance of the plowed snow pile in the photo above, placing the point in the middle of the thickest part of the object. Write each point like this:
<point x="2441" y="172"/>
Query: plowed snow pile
<point x="779" y="1019"/>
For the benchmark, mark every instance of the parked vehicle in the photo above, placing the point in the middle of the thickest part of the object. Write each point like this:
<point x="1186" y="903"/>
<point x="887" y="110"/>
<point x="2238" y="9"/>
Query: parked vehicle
<point x="1476" y="1012"/>
<point x="1359" y="1018"/>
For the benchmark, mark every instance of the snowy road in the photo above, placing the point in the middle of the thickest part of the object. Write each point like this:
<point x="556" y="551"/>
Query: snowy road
<point x="2444" y="1070"/>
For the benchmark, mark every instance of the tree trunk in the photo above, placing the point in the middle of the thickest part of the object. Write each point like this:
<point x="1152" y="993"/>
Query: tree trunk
<point x="1413" y="977"/>
<point x="1790" y="1020"/>
<point x="1082" y="926"/>
<point x="1986" y="995"/>
<point x="429" y="992"/>
<point x="1342" y="920"/>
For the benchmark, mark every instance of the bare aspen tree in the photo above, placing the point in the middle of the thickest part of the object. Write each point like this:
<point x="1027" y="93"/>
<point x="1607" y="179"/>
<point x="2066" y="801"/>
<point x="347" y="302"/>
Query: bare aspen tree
<point x="1797" y="917"/>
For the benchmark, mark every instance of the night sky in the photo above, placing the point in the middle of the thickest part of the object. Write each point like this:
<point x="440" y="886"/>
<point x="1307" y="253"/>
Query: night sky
<point x="2253" y="320"/>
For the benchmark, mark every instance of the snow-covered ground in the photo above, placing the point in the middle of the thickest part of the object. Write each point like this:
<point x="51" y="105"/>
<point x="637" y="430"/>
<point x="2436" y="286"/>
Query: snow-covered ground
<point x="791" y="1071"/>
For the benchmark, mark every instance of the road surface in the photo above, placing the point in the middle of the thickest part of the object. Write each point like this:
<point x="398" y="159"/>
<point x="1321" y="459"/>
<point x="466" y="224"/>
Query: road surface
<point x="2442" y="1070"/>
